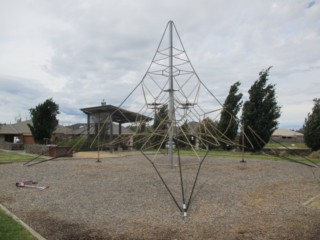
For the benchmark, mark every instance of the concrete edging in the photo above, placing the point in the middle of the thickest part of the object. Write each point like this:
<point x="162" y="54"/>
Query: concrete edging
<point x="18" y="220"/>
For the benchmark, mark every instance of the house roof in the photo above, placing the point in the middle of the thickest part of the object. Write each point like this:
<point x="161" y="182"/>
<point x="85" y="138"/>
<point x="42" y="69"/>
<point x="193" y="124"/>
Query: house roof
<point x="16" y="128"/>
<point x="286" y="133"/>
<point x="23" y="128"/>
<point x="119" y="115"/>
<point x="81" y="128"/>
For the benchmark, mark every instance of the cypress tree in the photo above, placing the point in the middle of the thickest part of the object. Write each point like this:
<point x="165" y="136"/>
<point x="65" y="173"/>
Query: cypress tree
<point x="228" y="124"/>
<point x="311" y="127"/>
<point x="260" y="113"/>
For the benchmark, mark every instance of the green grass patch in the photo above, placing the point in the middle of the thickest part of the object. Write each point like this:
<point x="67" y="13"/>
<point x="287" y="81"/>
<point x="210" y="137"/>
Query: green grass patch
<point x="286" y="144"/>
<point x="226" y="154"/>
<point x="11" y="156"/>
<point x="10" y="229"/>
<point x="246" y="156"/>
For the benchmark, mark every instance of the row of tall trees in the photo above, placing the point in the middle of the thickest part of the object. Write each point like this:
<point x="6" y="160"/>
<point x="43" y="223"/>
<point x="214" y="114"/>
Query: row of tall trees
<point x="259" y="119"/>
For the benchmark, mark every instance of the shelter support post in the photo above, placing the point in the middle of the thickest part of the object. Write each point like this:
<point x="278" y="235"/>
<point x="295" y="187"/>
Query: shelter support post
<point x="88" y="125"/>
<point x="111" y="133"/>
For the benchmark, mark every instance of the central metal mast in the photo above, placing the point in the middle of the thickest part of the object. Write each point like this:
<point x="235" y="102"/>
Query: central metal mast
<point x="171" y="98"/>
<point x="171" y="83"/>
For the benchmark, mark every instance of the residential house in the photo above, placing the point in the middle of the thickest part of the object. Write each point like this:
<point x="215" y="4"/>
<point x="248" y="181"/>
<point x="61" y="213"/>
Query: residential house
<point x="286" y="135"/>
<point x="20" y="133"/>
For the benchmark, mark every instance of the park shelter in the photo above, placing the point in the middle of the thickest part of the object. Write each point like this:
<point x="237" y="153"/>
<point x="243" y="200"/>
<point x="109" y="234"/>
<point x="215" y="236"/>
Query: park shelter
<point x="104" y="116"/>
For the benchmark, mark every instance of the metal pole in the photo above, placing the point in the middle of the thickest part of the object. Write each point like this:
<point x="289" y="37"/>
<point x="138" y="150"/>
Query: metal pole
<point x="171" y="98"/>
<point x="242" y="162"/>
<point x="98" y="160"/>
<point x="242" y="143"/>
<point x="88" y="125"/>
<point x="111" y="133"/>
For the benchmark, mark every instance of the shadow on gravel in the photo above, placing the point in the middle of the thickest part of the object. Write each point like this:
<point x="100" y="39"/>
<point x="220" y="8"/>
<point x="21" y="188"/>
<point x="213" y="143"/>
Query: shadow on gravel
<point x="52" y="228"/>
<point x="316" y="235"/>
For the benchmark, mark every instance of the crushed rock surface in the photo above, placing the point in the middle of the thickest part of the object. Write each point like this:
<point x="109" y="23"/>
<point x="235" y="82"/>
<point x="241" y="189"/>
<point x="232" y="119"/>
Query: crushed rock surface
<point x="124" y="198"/>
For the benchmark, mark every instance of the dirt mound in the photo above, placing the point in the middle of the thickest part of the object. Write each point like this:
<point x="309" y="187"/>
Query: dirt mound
<point x="314" y="155"/>
<point x="95" y="154"/>
<point x="313" y="202"/>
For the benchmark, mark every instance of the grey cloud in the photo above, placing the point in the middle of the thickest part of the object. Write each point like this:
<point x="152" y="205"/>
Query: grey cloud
<point x="310" y="4"/>
<point x="99" y="48"/>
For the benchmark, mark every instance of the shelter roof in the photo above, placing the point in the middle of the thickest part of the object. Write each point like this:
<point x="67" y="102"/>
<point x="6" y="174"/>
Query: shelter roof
<point x="119" y="115"/>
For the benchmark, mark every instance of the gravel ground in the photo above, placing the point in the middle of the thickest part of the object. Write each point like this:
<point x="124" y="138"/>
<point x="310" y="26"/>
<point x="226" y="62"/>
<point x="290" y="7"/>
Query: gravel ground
<point x="123" y="198"/>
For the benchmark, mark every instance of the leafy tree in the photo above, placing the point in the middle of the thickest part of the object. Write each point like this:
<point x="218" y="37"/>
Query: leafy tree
<point x="160" y="127"/>
<point x="139" y="138"/>
<point x="312" y="127"/>
<point x="208" y="134"/>
<point x="260" y="113"/>
<point x="183" y="135"/>
<point x="44" y="120"/>
<point x="228" y="124"/>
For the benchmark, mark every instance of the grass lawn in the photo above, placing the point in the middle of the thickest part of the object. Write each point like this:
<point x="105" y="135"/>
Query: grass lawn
<point x="12" y="156"/>
<point x="226" y="154"/>
<point x="10" y="229"/>
<point x="286" y="144"/>
<point x="246" y="156"/>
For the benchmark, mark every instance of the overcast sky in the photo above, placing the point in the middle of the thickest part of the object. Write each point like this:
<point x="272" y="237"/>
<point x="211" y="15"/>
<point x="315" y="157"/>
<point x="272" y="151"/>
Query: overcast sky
<point x="80" y="52"/>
